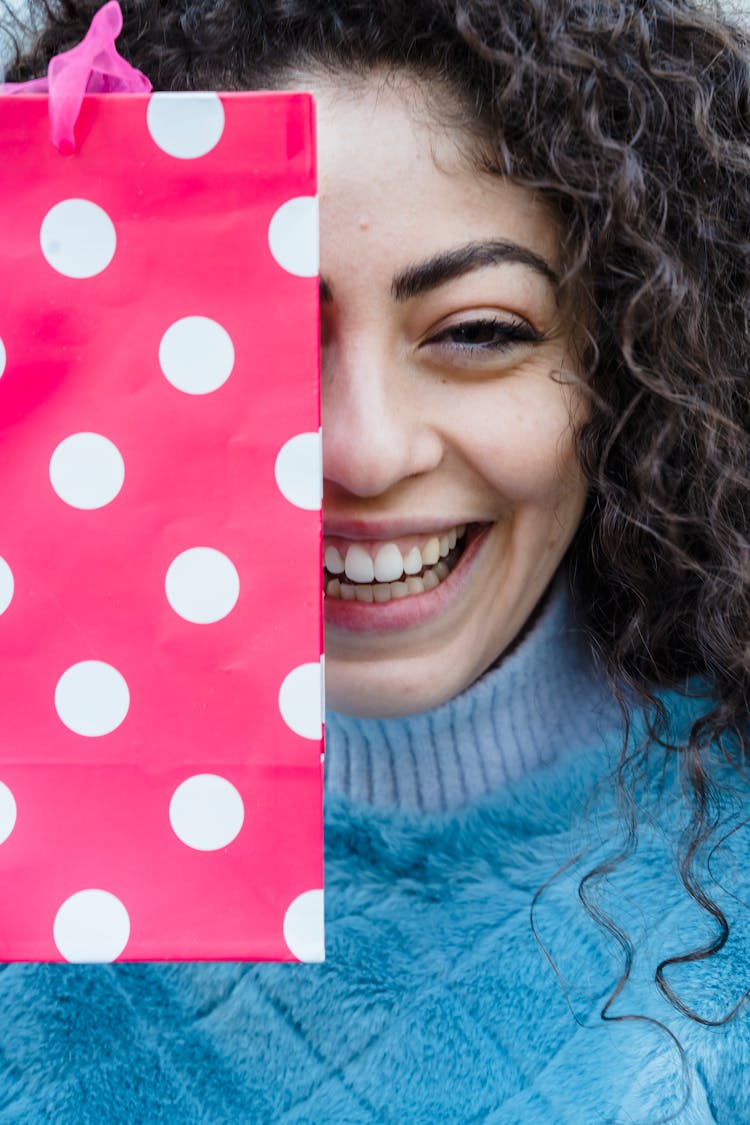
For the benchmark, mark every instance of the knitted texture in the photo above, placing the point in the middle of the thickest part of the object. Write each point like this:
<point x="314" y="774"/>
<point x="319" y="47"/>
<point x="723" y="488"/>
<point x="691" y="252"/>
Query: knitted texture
<point x="436" y="1003"/>
<point x="543" y="699"/>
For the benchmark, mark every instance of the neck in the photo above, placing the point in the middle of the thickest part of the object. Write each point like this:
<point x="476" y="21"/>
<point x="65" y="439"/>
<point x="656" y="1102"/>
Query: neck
<point x="542" y="699"/>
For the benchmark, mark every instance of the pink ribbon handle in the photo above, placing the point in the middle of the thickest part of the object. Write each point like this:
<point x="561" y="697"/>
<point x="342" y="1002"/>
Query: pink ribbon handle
<point x="93" y="67"/>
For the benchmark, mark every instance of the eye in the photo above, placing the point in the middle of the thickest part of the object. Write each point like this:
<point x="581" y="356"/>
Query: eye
<point x="486" y="334"/>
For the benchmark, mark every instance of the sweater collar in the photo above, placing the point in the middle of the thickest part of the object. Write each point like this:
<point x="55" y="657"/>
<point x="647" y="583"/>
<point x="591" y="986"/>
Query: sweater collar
<point x="544" y="698"/>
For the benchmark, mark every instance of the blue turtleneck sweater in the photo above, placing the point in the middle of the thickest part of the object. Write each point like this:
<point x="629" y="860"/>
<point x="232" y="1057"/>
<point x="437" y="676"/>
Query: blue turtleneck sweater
<point x="464" y="980"/>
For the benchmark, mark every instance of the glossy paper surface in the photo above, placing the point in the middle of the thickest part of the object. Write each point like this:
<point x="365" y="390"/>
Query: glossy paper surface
<point x="160" y="606"/>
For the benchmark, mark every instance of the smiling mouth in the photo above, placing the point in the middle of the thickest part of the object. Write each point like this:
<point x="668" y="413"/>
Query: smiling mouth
<point x="386" y="571"/>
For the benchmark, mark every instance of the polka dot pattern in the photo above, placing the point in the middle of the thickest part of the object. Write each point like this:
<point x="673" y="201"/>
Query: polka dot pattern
<point x="8" y="812"/>
<point x="7" y="585"/>
<point x="87" y="471"/>
<point x="92" y="926"/>
<point x="299" y="471"/>
<point x="304" y="927"/>
<point x="206" y="812"/>
<point x="300" y="701"/>
<point x="92" y="698"/>
<point x="185" y="125"/>
<point x="160" y="518"/>
<point x="196" y="355"/>
<point x="293" y="236"/>
<point x="78" y="238"/>
<point x="202" y="585"/>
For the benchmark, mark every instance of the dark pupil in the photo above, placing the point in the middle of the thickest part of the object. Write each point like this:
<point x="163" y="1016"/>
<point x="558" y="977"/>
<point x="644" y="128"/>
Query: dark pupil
<point x="481" y="332"/>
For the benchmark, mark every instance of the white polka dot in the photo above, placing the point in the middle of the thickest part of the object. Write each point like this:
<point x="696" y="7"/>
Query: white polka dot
<point x="300" y="701"/>
<point x="7" y="585"/>
<point x="202" y="585"/>
<point x="293" y="236"/>
<point x="299" y="471"/>
<point x="91" y="926"/>
<point x="196" y="355"/>
<point x="87" y="471"/>
<point x="92" y="698"/>
<point x="78" y="238"/>
<point x="3" y="357"/>
<point x="304" y="926"/>
<point x="206" y="812"/>
<point x="185" y="125"/>
<point x="8" y="812"/>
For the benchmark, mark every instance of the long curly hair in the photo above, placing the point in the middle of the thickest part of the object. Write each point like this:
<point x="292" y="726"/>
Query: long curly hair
<point x="631" y="118"/>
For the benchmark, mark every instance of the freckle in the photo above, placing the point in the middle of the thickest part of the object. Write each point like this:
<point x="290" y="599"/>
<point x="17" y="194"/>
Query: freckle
<point x="364" y="223"/>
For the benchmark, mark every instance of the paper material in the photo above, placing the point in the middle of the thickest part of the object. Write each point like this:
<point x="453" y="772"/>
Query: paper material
<point x="160" y="484"/>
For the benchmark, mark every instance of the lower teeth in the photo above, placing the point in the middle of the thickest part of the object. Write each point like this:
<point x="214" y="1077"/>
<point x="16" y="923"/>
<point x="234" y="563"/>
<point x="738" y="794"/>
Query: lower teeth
<point x="388" y="591"/>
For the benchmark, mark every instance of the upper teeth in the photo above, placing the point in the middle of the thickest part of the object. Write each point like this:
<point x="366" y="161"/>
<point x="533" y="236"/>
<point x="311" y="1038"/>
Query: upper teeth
<point x="387" y="563"/>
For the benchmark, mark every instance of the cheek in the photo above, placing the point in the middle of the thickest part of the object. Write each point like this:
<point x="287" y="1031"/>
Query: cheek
<point x="521" y="441"/>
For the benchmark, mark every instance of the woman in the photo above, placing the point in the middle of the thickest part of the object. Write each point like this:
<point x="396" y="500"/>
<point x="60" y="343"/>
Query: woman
<point x="536" y="416"/>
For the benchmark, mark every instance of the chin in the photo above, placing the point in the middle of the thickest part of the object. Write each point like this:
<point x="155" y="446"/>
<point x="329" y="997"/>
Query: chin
<point x="375" y="692"/>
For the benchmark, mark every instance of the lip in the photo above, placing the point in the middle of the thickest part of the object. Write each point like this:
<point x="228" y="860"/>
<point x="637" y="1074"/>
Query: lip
<point x="360" y="530"/>
<point x="409" y="612"/>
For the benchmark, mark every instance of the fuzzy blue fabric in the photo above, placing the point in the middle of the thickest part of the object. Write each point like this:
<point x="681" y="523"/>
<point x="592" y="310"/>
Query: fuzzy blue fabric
<point x="436" y="1003"/>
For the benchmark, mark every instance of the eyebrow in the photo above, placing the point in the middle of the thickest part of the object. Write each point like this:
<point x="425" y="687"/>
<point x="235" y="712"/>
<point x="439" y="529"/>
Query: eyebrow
<point x="419" y="279"/>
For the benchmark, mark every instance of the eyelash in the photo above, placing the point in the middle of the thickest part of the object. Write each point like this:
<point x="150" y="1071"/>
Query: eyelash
<point x="507" y="334"/>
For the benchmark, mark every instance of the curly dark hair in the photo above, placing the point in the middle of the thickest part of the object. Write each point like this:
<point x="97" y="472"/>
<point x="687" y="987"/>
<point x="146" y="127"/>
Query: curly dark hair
<point x="631" y="118"/>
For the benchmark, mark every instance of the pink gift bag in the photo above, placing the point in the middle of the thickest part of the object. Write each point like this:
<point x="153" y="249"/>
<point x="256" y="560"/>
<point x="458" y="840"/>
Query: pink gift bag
<point x="160" y="493"/>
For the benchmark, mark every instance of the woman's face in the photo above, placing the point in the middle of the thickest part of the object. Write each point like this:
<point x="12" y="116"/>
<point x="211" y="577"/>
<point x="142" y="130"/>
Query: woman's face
<point x="451" y="486"/>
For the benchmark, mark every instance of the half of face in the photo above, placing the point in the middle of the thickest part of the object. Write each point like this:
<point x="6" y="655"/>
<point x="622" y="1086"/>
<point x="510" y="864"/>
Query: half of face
<point x="450" y="403"/>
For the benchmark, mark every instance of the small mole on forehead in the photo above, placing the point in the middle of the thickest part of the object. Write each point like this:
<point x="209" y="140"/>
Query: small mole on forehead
<point x="364" y="222"/>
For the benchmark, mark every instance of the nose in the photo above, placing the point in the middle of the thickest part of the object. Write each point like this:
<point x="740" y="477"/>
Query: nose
<point x="375" y="431"/>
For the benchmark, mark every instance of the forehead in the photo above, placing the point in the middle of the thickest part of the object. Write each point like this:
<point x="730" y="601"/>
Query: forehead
<point x="396" y="160"/>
